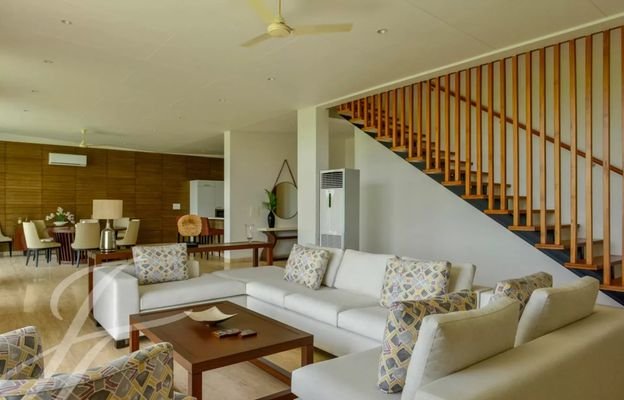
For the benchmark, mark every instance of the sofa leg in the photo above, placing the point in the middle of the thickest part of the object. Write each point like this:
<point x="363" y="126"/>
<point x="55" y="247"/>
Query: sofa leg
<point x="120" y="344"/>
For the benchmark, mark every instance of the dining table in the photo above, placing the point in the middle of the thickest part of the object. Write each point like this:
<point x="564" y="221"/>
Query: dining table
<point x="61" y="234"/>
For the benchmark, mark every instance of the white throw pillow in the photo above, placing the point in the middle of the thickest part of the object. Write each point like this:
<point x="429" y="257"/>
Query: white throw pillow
<point x="335" y="258"/>
<point x="552" y="308"/>
<point x="306" y="266"/>
<point x="450" y="342"/>
<point x="362" y="272"/>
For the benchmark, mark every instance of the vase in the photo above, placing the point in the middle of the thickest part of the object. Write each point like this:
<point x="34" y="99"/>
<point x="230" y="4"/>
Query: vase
<point x="271" y="219"/>
<point x="60" y="223"/>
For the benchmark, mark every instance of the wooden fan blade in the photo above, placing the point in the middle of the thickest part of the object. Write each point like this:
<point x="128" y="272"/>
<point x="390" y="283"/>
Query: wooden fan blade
<point x="320" y="29"/>
<point x="262" y="10"/>
<point x="256" y="40"/>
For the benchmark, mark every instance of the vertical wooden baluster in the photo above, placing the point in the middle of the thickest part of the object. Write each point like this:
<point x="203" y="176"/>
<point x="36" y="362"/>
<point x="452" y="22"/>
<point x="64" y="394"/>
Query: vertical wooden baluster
<point x="395" y="121"/>
<point x="427" y="125"/>
<point x="542" y="148"/>
<point x="516" y="140"/>
<point x="447" y="129"/>
<point x="490" y="137"/>
<point x="437" y="124"/>
<point x="457" y="126"/>
<point x="606" y="157"/>
<point x="402" y="127"/>
<point x="353" y="109"/>
<point x="387" y="115"/>
<point x="529" y="140"/>
<point x="502" y="93"/>
<point x="479" y="143"/>
<point x="573" y="155"/>
<point x="365" y="101"/>
<point x="622" y="134"/>
<point x="557" y="141"/>
<point x="589" y="234"/>
<point x="468" y="145"/>
<point x="410" y="113"/>
<point x="419" y="137"/>
<point x="379" y="118"/>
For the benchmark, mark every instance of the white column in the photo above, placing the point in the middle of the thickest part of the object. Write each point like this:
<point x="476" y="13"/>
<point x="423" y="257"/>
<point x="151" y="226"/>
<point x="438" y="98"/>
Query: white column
<point x="312" y="157"/>
<point x="227" y="188"/>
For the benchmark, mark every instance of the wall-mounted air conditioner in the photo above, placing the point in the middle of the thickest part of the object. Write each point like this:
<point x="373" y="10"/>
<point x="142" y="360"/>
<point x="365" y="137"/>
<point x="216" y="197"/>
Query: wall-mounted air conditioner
<point x="340" y="209"/>
<point x="68" y="160"/>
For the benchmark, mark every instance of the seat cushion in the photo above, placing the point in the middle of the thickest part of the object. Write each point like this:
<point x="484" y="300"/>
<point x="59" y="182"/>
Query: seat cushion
<point x="450" y="342"/>
<point x="413" y="280"/>
<point x="351" y="377"/>
<point x="251" y="274"/>
<point x="362" y="272"/>
<point x="204" y="288"/>
<point x="326" y="303"/>
<point x="306" y="266"/>
<point x="366" y="321"/>
<point x="273" y="291"/>
<point x="552" y="308"/>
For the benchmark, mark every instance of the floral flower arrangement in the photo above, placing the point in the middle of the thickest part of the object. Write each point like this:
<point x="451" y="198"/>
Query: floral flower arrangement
<point x="60" y="216"/>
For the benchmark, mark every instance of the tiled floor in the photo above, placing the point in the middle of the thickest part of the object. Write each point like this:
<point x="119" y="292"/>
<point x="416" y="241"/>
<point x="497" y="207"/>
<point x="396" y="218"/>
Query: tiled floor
<point x="30" y="296"/>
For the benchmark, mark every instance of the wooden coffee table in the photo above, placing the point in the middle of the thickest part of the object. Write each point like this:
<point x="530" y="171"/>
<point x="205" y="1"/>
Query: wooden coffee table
<point x="197" y="350"/>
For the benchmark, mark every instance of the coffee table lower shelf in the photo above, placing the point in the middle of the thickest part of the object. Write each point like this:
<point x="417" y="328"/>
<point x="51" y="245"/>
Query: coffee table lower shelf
<point x="197" y="350"/>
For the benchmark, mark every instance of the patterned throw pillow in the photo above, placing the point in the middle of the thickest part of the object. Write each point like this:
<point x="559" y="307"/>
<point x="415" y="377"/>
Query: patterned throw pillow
<point x="156" y="264"/>
<point x="402" y="327"/>
<point x="409" y="279"/>
<point x="306" y="266"/>
<point x="520" y="289"/>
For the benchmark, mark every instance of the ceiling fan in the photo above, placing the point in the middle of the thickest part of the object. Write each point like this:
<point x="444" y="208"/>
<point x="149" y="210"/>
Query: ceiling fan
<point x="278" y="28"/>
<point x="84" y="143"/>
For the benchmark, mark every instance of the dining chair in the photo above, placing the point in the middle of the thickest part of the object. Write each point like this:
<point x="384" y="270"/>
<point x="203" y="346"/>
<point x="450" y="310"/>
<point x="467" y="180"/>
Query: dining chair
<point x="132" y="233"/>
<point x="8" y="241"/>
<point x="89" y="220"/>
<point x="42" y="229"/>
<point x="87" y="238"/>
<point x="34" y="245"/>
<point x="120" y="225"/>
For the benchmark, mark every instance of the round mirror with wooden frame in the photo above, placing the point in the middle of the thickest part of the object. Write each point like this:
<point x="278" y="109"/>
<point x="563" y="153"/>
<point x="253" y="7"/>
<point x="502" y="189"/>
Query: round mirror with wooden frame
<point x="286" y="195"/>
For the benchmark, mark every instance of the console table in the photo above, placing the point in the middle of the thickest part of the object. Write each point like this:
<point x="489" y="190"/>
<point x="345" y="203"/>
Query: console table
<point x="275" y="235"/>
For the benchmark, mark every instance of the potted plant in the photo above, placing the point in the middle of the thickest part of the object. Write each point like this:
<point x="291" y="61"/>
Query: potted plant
<point x="60" y="217"/>
<point x="271" y="205"/>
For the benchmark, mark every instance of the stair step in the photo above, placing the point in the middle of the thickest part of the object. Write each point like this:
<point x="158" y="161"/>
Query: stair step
<point x="595" y="265"/>
<point x="533" y="228"/>
<point x="536" y="211"/>
<point x="616" y="285"/>
<point x="566" y="244"/>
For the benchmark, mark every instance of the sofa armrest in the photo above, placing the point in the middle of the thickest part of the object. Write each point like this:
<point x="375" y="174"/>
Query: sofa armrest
<point x="20" y="354"/>
<point x="115" y="298"/>
<point x="484" y="294"/>
<point x="180" y="396"/>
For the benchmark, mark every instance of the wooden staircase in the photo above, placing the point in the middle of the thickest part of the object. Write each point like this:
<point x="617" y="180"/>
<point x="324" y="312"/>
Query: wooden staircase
<point x="473" y="132"/>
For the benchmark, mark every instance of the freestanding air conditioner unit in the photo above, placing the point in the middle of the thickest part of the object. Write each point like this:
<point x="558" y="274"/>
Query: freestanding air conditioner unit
<point x="340" y="208"/>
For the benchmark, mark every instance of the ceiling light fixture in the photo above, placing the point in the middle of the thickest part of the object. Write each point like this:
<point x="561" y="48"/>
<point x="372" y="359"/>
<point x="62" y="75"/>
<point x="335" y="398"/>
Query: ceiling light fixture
<point x="382" y="31"/>
<point x="66" y="22"/>
<point x="271" y="78"/>
<point x="34" y="91"/>
<point x="26" y="110"/>
<point x="222" y="100"/>
<point x="48" y="61"/>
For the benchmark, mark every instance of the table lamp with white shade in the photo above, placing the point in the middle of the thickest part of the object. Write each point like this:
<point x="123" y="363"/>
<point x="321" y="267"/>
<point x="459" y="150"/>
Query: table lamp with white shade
<point x="108" y="210"/>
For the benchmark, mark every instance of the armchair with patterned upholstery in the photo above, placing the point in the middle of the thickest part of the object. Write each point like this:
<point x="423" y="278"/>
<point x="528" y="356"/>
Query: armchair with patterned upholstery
<point x="145" y="374"/>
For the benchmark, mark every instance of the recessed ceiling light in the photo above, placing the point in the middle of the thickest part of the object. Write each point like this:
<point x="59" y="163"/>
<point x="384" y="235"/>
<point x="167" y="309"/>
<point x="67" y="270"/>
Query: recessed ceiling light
<point x="382" y="31"/>
<point x="26" y="110"/>
<point x="222" y="100"/>
<point x="48" y="61"/>
<point x="34" y="91"/>
<point x="271" y="78"/>
<point x="66" y="22"/>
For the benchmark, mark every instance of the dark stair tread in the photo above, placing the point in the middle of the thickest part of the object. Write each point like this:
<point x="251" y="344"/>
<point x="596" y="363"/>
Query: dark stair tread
<point x="595" y="265"/>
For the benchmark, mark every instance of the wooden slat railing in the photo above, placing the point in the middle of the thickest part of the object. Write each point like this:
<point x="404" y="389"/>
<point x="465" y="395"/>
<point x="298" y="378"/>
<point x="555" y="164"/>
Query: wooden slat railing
<point x="529" y="86"/>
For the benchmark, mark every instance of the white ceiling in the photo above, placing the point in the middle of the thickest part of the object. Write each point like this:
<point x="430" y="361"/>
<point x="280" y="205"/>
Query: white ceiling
<point x="148" y="74"/>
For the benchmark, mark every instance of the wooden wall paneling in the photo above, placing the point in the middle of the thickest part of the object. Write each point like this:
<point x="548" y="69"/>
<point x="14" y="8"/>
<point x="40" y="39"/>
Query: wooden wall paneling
<point x="22" y="183"/>
<point x="175" y="189"/>
<point x="148" y="196"/>
<point x="58" y="183"/>
<point x="120" y="179"/>
<point x="90" y="181"/>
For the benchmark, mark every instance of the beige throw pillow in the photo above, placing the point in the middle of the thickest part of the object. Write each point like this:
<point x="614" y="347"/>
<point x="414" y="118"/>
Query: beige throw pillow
<point x="156" y="264"/>
<point x="411" y="279"/>
<point x="306" y="266"/>
<point x="520" y="289"/>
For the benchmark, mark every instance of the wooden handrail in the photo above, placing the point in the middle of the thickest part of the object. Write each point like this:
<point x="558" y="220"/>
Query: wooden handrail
<point x="535" y="132"/>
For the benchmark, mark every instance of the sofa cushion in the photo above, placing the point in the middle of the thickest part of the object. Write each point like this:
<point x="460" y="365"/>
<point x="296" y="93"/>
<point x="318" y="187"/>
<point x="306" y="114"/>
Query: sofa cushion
<point x="204" y="288"/>
<point x="306" y="266"/>
<point x="413" y="280"/>
<point x="461" y="277"/>
<point x="451" y="342"/>
<point x="362" y="272"/>
<point x="251" y="274"/>
<point x="520" y="289"/>
<point x="402" y="331"/>
<point x="273" y="291"/>
<point x="550" y="309"/>
<point x="351" y="377"/>
<point x="325" y="304"/>
<point x="366" y="321"/>
<point x="335" y="258"/>
<point x="155" y="264"/>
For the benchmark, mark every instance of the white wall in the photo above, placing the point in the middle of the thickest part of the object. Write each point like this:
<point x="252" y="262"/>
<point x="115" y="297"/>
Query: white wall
<point x="251" y="164"/>
<point x="405" y="212"/>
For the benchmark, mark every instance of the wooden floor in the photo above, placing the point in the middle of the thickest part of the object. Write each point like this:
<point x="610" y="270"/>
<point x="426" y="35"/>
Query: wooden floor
<point x="28" y="296"/>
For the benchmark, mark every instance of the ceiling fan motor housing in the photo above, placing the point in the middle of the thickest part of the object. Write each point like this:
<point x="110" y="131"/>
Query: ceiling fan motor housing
<point x="279" y="29"/>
